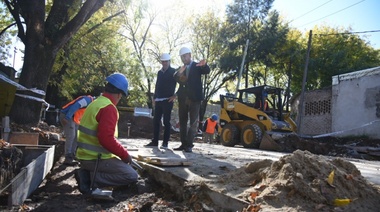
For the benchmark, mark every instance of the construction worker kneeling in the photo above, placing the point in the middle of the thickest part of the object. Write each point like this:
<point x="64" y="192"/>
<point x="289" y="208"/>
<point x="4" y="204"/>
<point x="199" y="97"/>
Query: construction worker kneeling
<point x="103" y="160"/>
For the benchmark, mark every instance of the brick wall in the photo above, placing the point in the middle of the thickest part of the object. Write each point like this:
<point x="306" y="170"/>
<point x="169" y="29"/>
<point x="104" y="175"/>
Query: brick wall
<point x="317" y="117"/>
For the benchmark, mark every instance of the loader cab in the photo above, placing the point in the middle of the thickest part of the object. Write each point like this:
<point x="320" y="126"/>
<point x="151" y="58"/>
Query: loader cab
<point x="265" y="98"/>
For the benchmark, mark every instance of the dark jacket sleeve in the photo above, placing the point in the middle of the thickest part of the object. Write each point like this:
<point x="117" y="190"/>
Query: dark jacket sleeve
<point x="193" y="88"/>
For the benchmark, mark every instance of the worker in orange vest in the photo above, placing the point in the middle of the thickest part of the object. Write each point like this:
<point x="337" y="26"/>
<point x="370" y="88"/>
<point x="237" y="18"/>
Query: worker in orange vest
<point x="209" y="127"/>
<point x="70" y="117"/>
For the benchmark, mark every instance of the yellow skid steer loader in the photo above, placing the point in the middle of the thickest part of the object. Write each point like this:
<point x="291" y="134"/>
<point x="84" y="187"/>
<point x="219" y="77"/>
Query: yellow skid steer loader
<point x="252" y="117"/>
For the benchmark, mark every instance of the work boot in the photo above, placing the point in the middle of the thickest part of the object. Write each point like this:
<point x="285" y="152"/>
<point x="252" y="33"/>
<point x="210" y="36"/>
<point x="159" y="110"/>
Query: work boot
<point x="189" y="149"/>
<point x="83" y="179"/>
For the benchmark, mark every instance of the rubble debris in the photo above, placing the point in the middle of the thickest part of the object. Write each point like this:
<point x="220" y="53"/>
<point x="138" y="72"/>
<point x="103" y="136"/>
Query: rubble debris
<point x="10" y="163"/>
<point x="298" y="181"/>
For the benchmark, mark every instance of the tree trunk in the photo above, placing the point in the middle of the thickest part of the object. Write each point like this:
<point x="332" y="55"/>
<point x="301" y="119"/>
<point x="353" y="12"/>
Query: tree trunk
<point x="42" y="42"/>
<point x="38" y="62"/>
<point x="35" y="74"/>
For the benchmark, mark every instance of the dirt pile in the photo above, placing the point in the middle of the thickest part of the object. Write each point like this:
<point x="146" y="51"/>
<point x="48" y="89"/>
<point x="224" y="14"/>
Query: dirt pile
<point x="298" y="182"/>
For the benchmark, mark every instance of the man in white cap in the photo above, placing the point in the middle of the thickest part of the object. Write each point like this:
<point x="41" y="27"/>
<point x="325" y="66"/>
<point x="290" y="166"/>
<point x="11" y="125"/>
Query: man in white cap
<point x="163" y="100"/>
<point x="190" y="95"/>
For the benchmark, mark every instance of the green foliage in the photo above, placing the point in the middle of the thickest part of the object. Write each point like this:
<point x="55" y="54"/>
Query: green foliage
<point x="266" y="34"/>
<point x="94" y="53"/>
<point x="8" y="32"/>
<point x="206" y="46"/>
<point x="272" y="35"/>
<point x="336" y="51"/>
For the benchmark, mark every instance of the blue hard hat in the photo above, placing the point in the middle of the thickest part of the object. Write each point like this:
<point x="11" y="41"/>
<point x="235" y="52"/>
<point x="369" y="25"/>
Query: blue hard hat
<point x="214" y="117"/>
<point x="119" y="81"/>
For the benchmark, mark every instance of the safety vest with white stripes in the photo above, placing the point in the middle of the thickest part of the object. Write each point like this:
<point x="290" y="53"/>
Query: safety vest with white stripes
<point x="88" y="142"/>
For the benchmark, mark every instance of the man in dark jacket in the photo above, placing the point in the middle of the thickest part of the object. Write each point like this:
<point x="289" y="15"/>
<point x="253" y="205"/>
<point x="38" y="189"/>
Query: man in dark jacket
<point x="163" y="101"/>
<point x="190" y="95"/>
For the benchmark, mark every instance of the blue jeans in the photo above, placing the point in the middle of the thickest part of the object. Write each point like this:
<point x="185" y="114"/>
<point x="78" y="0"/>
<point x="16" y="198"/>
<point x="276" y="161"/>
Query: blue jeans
<point x="162" y="108"/>
<point x="188" y="109"/>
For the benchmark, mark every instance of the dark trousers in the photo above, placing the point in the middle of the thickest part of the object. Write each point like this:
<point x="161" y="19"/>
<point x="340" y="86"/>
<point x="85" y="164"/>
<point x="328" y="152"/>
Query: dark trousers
<point x="162" y="108"/>
<point x="188" y="109"/>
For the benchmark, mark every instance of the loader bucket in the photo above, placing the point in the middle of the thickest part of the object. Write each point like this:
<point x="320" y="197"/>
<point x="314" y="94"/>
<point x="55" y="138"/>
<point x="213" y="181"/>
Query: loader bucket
<point x="267" y="143"/>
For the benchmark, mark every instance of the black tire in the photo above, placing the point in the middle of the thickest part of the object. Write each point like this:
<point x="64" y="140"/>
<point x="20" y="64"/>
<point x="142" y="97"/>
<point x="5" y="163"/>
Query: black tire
<point x="251" y="136"/>
<point x="229" y="136"/>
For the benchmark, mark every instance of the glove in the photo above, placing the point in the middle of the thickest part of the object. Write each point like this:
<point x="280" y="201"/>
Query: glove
<point x="128" y="159"/>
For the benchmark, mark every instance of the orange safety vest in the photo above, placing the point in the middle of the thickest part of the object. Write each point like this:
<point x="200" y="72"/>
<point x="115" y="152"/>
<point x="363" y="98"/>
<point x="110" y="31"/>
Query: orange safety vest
<point x="79" y="113"/>
<point x="211" y="126"/>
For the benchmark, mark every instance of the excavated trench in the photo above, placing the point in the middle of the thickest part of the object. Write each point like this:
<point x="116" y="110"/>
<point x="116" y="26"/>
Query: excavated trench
<point x="194" y="194"/>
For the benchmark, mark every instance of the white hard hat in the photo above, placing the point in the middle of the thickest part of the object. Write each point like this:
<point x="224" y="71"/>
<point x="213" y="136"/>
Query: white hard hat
<point x="184" y="50"/>
<point x="165" y="57"/>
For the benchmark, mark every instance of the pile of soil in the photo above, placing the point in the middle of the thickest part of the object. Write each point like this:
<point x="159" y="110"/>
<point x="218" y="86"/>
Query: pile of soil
<point x="298" y="182"/>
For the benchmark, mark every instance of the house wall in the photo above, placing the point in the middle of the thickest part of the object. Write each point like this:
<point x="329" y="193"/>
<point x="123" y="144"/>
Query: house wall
<point x="356" y="103"/>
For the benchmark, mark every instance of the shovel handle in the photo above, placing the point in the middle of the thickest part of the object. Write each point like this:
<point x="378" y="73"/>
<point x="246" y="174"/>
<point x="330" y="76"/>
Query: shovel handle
<point x="95" y="171"/>
<point x="136" y="165"/>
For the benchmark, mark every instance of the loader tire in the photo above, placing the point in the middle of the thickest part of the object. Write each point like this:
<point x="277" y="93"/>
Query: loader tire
<point x="251" y="136"/>
<point x="229" y="135"/>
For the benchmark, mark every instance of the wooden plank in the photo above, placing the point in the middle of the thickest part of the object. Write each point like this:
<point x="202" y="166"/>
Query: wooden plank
<point x="166" y="161"/>
<point x="23" y="138"/>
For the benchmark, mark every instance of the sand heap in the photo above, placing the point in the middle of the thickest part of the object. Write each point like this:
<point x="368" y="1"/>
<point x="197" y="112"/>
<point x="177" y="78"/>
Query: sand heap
<point x="298" y="182"/>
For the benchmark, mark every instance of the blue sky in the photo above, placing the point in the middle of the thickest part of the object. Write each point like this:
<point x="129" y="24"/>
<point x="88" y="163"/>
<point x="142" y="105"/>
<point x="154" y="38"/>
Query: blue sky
<point x="360" y="15"/>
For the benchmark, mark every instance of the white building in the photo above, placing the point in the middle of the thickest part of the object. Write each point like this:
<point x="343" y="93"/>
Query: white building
<point x="356" y="103"/>
<point x="350" y="107"/>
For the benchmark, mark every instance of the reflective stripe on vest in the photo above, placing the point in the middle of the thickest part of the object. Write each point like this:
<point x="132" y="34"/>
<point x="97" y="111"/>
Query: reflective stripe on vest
<point x="86" y="130"/>
<point x="98" y="149"/>
<point x="90" y="146"/>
